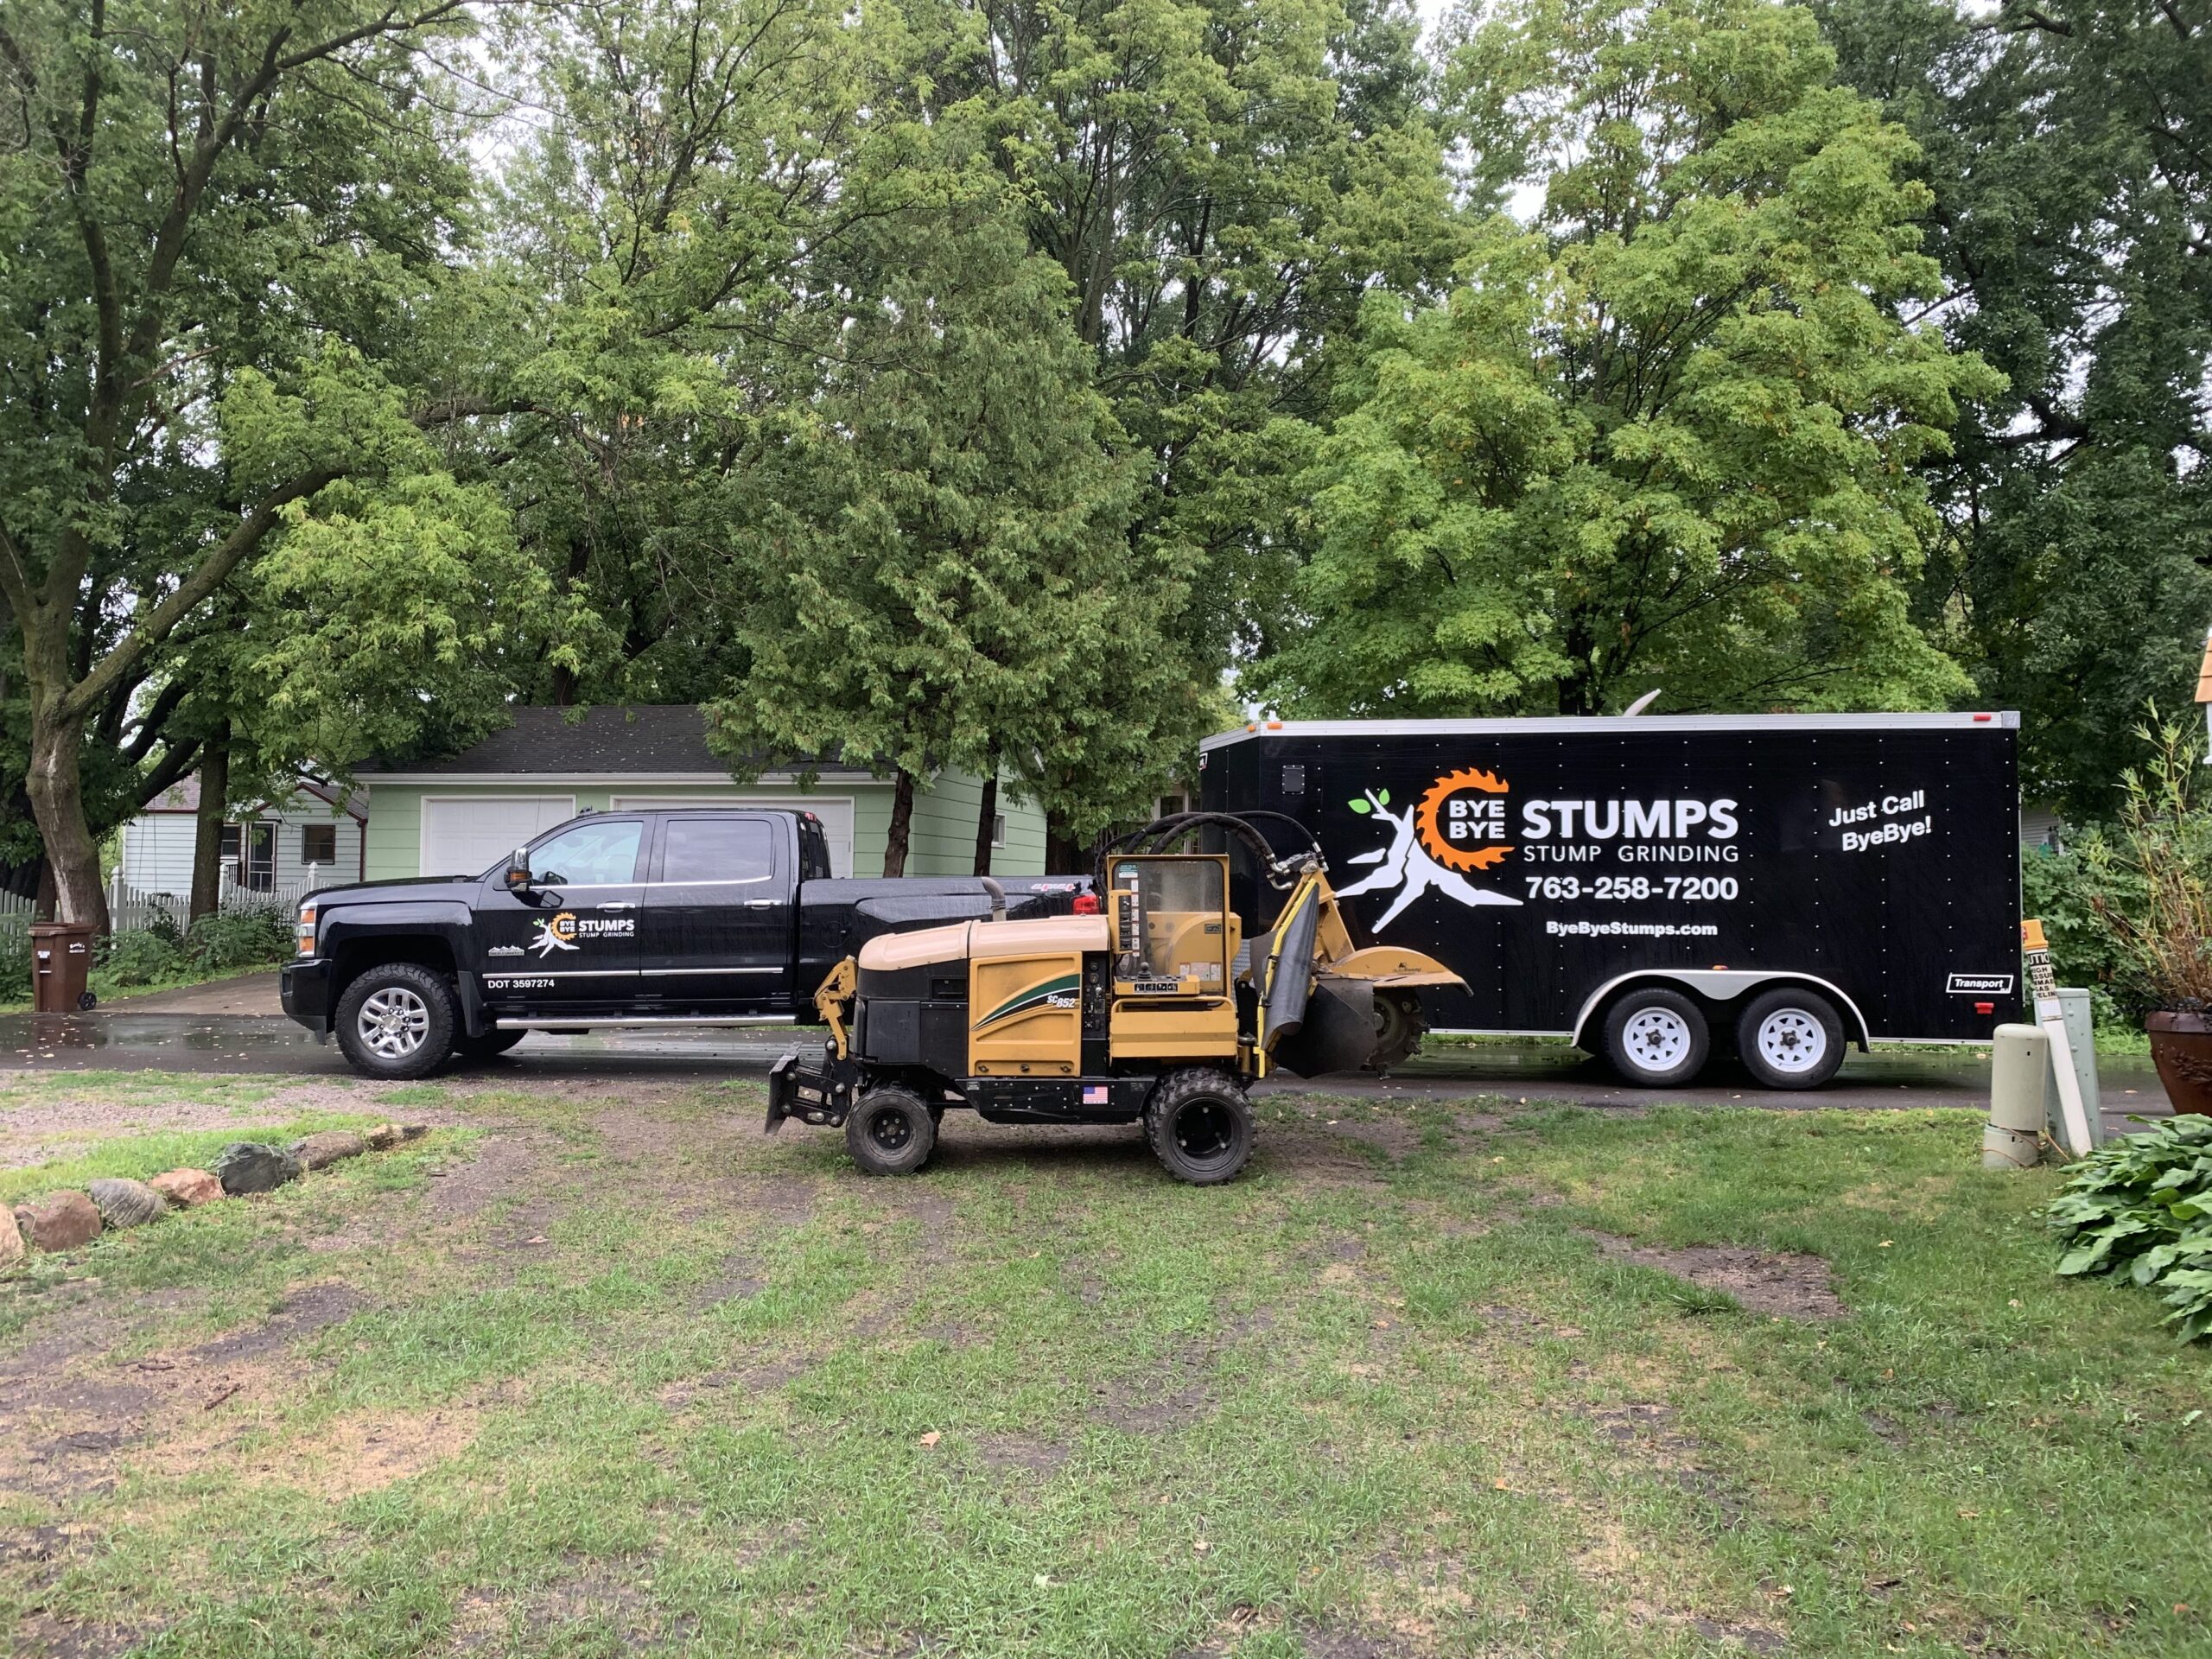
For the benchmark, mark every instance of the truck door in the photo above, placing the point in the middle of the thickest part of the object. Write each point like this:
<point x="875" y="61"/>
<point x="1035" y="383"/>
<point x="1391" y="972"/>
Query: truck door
<point x="718" y="918"/>
<point x="568" y="944"/>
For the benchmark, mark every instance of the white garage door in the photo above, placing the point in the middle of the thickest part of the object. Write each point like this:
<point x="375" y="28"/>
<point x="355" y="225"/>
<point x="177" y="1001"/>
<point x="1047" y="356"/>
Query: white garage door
<point x="467" y="834"/>
<point x="836" y="812"/>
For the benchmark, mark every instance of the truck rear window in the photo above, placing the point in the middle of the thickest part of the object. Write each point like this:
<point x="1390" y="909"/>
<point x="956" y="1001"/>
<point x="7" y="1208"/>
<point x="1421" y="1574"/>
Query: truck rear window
<point x="718" y="850"/>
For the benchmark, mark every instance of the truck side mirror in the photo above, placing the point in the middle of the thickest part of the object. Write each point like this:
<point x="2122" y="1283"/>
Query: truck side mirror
<point x="518" y="875"/>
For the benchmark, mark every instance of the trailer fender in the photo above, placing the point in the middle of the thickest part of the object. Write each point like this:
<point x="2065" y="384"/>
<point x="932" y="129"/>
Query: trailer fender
<point x="1721" y="985"/>
<point x="1391" y="964"/>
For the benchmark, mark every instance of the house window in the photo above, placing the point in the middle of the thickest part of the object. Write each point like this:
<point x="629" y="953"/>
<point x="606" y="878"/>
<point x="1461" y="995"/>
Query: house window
<point x="998" y="829"/>
<point x="319" y="843"/>
<point x="232" y="840"/>
<point x="1169" y="805"/>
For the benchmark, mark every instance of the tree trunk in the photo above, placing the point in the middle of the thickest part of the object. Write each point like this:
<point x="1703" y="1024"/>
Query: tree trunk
<point x="57" y="805"/>
<point x="902" y="823"/>
<point x="986" y="811"/>
<point x="1065" y="853"/>
<point x="207" y="832"/>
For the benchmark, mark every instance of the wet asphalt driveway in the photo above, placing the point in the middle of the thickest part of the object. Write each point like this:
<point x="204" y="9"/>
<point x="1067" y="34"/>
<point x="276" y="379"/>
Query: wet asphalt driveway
<point x="128" y="1040"/>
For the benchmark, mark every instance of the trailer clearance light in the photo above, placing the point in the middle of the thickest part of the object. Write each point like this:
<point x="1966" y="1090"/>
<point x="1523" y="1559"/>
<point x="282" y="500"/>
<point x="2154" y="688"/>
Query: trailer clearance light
<point x="1985" y="1008"/>
<point x="1983" y="719"/>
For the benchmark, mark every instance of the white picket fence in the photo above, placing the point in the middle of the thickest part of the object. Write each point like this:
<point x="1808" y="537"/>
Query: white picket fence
<point x="131" y="910"/>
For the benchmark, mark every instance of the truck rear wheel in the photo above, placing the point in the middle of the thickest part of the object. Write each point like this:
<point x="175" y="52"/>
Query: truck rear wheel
<point x="1791" y="1039"/>
<point x="890" y="1132"/>
<point x="1655" y="1038"/>
<point x="397" y="1021"/>
<point x="1199" y="1124"/>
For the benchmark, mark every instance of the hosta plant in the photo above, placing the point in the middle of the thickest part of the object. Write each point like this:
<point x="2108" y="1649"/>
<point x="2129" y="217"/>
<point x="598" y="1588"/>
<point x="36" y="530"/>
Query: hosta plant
<point x="2141" y="1205"/>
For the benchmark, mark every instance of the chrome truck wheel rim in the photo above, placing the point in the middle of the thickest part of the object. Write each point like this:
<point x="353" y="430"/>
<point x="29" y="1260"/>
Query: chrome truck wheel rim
<point x="1657" y="1039"/>
<point x="394" y="1022"/>
<point x="1791" y="1041"/>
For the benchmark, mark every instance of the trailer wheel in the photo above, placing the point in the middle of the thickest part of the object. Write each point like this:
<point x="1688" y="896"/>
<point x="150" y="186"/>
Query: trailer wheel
<point x="1656" y="1039"/>
<point x="1199" y="1124"/>
<point x="1791" y="1039"/>
<point x="890" y="1132"/>
<point x="1399" y="1025"/>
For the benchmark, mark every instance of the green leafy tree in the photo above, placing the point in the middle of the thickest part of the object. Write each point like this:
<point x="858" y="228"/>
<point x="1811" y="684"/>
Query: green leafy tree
<point x="2068" y="153"/>
<point x="941" y="535"/>
<point x="226" y="234"/>
<point x="1220" y="182"/>
<point x="1666" y="434"/>
<point x="664" y="239"/>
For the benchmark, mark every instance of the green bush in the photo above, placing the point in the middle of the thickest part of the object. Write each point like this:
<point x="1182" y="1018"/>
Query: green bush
<point x="2142" y="1204"/>
<point x="239" y="939"/>
<point x="14" y="961"/>
<point x="2063" y="889"/>
<point x="143" y="957"/>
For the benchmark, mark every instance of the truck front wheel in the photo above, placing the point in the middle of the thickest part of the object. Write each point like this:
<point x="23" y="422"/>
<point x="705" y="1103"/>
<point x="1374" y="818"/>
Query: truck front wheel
<point x="397" y="1021"/>
<point x="1791" y="1039"/>
<point x="1656" y="1039"/>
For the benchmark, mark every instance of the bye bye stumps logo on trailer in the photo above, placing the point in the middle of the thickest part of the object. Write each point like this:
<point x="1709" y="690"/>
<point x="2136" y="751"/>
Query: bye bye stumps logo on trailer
<point x="1457" y="830"/>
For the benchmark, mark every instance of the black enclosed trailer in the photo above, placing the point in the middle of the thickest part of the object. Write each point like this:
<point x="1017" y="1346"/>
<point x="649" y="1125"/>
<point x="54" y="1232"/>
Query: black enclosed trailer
<point x="1656" y="886"/>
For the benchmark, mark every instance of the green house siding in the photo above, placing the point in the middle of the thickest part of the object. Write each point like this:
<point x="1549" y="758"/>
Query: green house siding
<point x="942" y="839"/>
<point x="943" y="836"/>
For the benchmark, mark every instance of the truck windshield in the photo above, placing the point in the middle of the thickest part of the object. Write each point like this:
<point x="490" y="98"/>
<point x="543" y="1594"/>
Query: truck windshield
<point x="589" y="854"/>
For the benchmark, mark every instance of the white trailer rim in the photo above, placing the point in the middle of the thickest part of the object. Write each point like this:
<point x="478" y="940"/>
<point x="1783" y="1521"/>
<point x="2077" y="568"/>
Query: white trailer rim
<point x="1792" y="1041"/>
<point x="1656" y="1040"/>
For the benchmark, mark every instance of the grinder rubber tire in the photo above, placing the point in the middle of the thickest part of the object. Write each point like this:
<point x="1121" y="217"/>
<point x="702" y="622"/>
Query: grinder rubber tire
<point x="1199" y="1124"/>
<point x="890" y="1132"/>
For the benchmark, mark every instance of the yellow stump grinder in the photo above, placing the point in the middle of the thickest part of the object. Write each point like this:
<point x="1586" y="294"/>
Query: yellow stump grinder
<point x="1148" y="1004"/>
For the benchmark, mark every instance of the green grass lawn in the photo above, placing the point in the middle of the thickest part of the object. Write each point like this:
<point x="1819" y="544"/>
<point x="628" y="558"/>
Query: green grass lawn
<point x="596" y="1370"/>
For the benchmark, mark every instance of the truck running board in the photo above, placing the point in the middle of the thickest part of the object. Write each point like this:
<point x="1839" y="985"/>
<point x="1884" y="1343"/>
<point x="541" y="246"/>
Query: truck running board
<point x="617" y="1022"/>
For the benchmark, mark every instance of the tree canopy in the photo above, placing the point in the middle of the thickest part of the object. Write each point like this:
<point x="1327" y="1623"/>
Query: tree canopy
<point x="983" y="384"/>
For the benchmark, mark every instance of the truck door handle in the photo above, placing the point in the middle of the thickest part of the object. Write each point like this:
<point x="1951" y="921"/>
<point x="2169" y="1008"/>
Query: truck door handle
<point x="619" y="904"/>
<point x="761" y="904"/>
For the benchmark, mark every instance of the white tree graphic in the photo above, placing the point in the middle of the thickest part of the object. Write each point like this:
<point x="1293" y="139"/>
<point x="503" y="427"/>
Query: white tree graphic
<point x="1407" y="865"/>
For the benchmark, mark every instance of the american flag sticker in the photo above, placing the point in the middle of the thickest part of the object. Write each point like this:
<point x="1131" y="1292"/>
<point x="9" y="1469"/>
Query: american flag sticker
<point x="1094" y="1093"/>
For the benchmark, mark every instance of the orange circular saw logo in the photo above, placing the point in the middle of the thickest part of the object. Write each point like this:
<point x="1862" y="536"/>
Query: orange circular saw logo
<point x="1436" y="816"/>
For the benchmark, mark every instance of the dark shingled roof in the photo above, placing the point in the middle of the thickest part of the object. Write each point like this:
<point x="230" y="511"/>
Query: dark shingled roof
<point x="640" y="740"/>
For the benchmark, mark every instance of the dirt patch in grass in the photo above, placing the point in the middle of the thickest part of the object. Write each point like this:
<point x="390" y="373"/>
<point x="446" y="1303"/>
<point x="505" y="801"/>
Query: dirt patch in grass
<point x="1789" y="1287"/>
<point x="368" y="1451"/>
<point x="42" y="1636"/>
<point x="300" y="1315"/>
<point x="504" y="1166"/>
<point x="1026" y="1452"/>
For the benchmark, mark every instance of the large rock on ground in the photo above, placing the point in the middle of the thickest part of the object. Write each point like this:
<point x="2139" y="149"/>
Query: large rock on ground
<point x="12" y="1248"/>
<point x="127" y="1204"/>
<point x="326" y="1146"/>
<point x="246" y="1166"/>
<point x="59" y="1221"/>
<point x="187" y="1187"/>
<point x="387" y="1135"/>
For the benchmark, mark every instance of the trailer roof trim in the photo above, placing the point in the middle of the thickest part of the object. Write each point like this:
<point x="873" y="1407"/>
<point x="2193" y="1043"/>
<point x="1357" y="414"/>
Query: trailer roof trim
<point x="1622" y="726"/>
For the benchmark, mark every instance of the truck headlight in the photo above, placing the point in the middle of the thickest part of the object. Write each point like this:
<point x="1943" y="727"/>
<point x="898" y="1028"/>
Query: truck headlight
<point x="306" y="930"/>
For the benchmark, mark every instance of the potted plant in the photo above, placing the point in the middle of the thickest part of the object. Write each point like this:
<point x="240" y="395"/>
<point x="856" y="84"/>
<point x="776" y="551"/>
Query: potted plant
<point x="2162" y="854"/>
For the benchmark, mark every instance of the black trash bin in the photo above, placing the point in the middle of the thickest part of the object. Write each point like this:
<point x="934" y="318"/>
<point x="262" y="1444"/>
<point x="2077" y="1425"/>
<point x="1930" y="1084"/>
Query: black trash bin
<point x="61" y="958"/>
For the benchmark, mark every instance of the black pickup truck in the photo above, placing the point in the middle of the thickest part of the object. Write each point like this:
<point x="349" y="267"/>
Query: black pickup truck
<point x="696" y="917"/>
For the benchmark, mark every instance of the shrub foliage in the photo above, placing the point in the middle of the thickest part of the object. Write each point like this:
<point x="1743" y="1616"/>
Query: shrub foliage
<point x="2141" y="1206"/>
